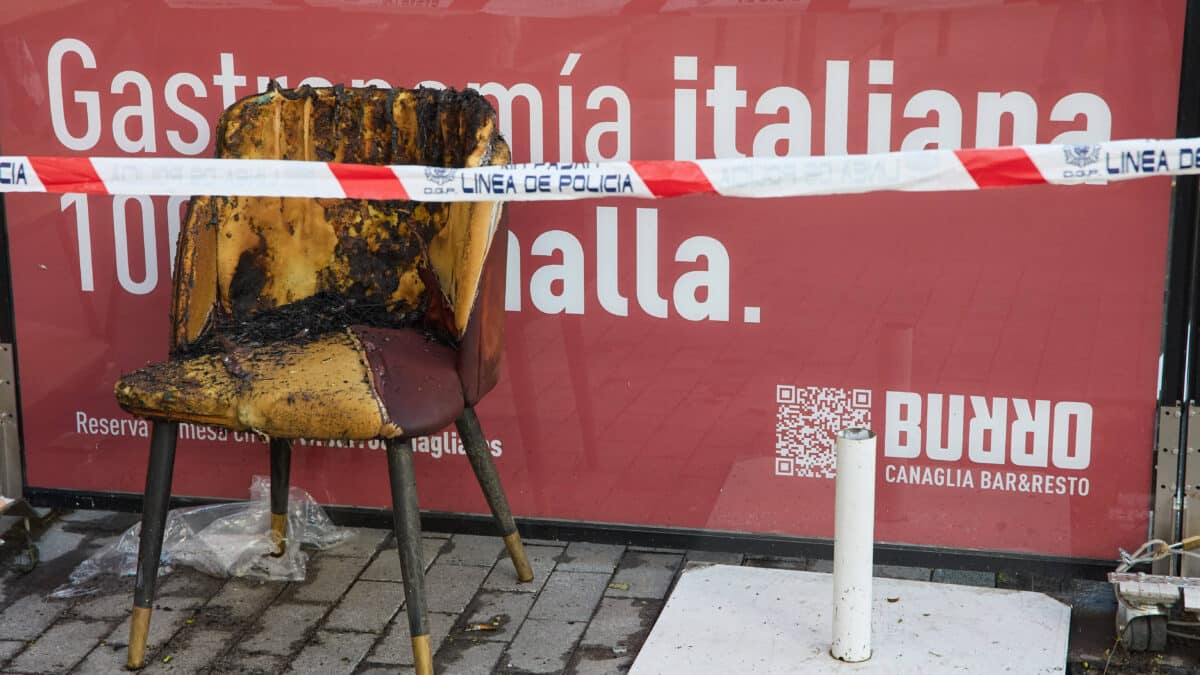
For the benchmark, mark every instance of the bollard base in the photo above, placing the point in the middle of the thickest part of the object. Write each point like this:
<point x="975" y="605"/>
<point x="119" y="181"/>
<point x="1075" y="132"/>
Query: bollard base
<point x="850" y="658"/>
<point x="723" y="619"/>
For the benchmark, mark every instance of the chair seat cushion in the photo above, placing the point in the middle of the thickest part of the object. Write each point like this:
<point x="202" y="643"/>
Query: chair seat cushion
<point x="359" y="384"/>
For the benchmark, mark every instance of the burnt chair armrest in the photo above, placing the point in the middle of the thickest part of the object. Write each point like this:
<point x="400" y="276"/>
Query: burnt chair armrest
<point x="483" y="341"/>
<point x="194" y="288"/>
<point x="458" y="251"/>
<point x="469" y="257"/>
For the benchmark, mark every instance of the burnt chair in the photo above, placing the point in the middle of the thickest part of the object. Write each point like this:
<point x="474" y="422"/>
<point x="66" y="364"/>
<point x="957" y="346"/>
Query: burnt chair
<point x="334" y="318"/>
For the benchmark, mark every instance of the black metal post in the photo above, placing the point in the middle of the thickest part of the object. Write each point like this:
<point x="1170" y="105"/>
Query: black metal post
<point x="1182" y="292"/>
<point x="8" y="335"/>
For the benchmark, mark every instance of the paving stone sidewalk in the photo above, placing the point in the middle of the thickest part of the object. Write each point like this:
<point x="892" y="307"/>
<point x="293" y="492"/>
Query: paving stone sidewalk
<point x="587" y="611"/>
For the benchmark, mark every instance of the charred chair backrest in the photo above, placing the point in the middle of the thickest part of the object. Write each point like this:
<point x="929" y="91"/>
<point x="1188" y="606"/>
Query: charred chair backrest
<point x="278" y="265"/>
<point x="334" y="318"/>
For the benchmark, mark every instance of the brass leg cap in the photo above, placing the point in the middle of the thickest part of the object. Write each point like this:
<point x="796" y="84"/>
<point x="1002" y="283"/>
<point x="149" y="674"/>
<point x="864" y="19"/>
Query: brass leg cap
<point x="279" y="533"/>
<point x="139" y="629"/>
<point x="516" y="551"/>
<point x="422" y="658"/>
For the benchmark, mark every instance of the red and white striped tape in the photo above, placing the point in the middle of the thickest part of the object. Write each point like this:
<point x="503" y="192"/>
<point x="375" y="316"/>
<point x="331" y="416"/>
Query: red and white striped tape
<point x="926" y="170"/>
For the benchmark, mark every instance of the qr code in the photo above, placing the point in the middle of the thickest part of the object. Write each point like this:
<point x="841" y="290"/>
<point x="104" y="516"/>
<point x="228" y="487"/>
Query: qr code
<point x="806" y="423"/>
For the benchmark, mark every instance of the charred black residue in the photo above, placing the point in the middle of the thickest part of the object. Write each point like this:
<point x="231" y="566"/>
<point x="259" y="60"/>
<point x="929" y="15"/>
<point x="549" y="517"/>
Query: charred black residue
<point x="249" y="278"/>
<point x="233" y="125"/>
<point x="234" y="355"/>
<point x="324" y="136"/>
<point x="379" y="244"/>
<point x="376" y="275"/>
<point x="304" y="321"/>
<point x="429" y="132"/>
<point x="376" y="246"/>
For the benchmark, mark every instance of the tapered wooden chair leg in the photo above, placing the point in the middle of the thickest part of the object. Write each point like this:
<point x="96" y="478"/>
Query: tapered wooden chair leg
<point x="480" y="457"/>
<point x="281" y="467"/>
<point x="154" y="520"/>
<point x="406" y="521"/>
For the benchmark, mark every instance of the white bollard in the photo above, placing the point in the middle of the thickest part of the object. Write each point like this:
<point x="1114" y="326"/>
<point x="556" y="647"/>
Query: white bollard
<point x="853" y="539"/>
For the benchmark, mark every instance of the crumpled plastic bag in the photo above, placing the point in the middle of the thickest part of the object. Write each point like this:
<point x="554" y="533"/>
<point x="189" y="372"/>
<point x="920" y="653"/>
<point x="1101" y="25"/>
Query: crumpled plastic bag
<point x="221" y="540"/>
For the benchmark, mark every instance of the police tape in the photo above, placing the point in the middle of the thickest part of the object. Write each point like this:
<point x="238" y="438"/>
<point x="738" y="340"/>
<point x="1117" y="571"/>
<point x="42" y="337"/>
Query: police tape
<point x="914" y="171"/>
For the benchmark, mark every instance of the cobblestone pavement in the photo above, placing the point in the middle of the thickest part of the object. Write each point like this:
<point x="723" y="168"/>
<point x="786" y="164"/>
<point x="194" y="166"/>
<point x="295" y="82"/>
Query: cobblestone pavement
<point x="587" y="611"/>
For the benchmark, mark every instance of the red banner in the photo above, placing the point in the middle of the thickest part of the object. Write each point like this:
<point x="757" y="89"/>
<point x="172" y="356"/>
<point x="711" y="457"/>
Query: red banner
<point x="678" y="363"/>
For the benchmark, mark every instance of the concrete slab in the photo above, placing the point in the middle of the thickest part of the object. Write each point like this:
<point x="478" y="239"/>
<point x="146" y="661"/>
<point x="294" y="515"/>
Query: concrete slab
<point x="471" y="549"/>
<point x="396" y="646"/>
<point x="363" y="543"/>
<point x="328" y="578"/>
<point x="449" y="587"/>
<point x="26" y="618"/>
<point x="503" y="611"/>
<point x="725" y="619"/>
<point x="191" y="651"/>
<point x="644" y="575"/>
<point x="281" y="629"/>
<point x="367" y="607"/>
<point x="545" y="646"/>
<point x="504" y="577"/>
<point x="587" y="557"/>
<point x="569" y="596"/>
<point x="56" y="650"/>
<point x="332" y="653"/>
<point x="463" y="657"/>
<point x="386" y="566"/>
<point x="238" y="601"/>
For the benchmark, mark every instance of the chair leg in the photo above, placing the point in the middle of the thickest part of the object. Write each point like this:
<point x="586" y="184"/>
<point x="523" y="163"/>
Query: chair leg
<point x="281" y="467"/>
<point x="485" y="472"/>
<point x="154" y="519"/>
<point x="406" y="521"/>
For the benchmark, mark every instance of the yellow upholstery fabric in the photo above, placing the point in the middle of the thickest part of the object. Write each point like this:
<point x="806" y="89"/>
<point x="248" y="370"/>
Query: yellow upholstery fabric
<point x="319" y="390"/>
